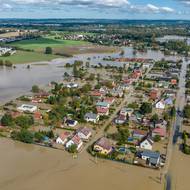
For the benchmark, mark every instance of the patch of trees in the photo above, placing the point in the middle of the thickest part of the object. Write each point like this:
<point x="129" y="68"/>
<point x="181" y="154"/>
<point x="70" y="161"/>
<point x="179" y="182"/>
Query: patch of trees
<point x="121" y="136"/>
<point x="187" y="111"/>
<point x="146" y="108"/>
<point x="186" y="147"/>
<point x="23" y="121"/>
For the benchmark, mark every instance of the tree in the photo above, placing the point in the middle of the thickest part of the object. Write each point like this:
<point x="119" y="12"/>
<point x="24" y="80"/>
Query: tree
<point x="48" y="50"/>
<point x="7" y="120"/>
<point x="8" y="63"/>
<point x="187" y="111"/>
<point x="75" y="71"/>
<point x="146" y="108"/>
<point x="35" y="89"/>
<point x="72" y="148"/>
<point x="24" y="121"/>
<point x="38" y="136"/>
<point x="122" y="136"/>
<point x="23" y="136"/>
<point x="157" y="138"/>
<point x="173" y="111"/>
<point x="86" y="88"/>
<point x="154" y="118"/>
<point x="1" y="62"/>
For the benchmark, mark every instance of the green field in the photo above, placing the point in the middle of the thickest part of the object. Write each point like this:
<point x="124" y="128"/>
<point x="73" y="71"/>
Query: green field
<point x="38" y="46"/>
<point x="41" y="43"/>
<point x="28" y="57"/>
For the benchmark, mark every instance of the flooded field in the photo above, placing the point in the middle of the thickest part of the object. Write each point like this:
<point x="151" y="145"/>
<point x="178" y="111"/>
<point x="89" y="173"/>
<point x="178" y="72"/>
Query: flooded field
<point x="15" y="82"/>
<point x="28" y="167"/>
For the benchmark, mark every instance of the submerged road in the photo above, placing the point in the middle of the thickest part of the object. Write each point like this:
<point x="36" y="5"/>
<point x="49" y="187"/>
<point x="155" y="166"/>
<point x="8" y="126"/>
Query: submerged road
<point x="177" y="124"/>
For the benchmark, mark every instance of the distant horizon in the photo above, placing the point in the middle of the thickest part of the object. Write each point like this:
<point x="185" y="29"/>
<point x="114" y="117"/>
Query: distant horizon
<point x="70" y="18"/>
<point x="99" y="9"/>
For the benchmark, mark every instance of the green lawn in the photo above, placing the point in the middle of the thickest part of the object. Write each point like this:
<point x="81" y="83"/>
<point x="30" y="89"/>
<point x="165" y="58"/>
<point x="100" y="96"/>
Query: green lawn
<point x="41" y="43"/>
<point x="28" y="57"/>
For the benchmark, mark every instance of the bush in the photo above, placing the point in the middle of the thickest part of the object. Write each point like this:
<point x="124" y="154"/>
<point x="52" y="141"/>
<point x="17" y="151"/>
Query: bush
<point x="24" y="121"/>
<point x="146" y="108"/>
<point x="35" y="89"/>
<point x="7" y="120"/>
<point x="23" y="136"/>
<point x="8" y="63"/>
<point x="48" y="50"/>
<point x="157" y="138"/>
<point x="72" y="148"/>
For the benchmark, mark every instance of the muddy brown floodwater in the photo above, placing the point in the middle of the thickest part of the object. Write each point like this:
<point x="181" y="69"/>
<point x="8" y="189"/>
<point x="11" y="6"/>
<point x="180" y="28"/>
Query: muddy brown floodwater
<point x="29" y="167"/>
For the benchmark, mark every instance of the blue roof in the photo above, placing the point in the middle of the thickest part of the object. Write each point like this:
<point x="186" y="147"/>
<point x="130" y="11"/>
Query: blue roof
<point x="70" y="122"/>
<point x="168" y="101"/>
<point x="103" y="104"/>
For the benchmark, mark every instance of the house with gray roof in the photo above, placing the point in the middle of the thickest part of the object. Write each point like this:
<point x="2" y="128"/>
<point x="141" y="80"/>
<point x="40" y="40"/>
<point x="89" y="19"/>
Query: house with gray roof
<point x="91" y="117"/>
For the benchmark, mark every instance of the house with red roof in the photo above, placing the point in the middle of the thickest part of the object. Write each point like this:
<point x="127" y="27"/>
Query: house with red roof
<point x="102" y="111"/>
<point x="76" y="140"/>
<point x="159" y="131"/>
<point x="109" y="100"/>
<point x="63" y="138"/>
<point x="97" y="94"/>
<point x="37" y="115"/>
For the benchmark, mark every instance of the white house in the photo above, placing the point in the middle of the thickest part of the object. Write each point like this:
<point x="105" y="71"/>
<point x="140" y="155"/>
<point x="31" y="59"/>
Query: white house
<point x="27" y="108"/>
<point x="84" y="133"/>
<point x="160" y="105"/>
<point x="63" y="138"/>
<point x="72" y="85"/>
<point x="76" y="140"/>
<point x="146" y="144"/>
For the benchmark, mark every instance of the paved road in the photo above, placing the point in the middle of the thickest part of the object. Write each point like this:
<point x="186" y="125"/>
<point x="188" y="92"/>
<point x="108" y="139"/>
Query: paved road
<point x="175" y="131"/>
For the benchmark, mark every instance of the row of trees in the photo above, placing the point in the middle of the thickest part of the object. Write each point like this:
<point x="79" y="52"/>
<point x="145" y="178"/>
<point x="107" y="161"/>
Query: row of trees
<point x="23" y="121"/>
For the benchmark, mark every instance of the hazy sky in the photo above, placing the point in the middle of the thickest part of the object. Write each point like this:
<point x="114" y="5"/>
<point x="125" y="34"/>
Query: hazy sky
<point x="115" y="9"/>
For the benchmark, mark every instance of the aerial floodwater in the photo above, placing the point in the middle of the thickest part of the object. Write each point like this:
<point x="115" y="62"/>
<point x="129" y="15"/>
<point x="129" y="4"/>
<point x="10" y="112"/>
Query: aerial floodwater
<point x="16" y="81"/>
<point x="29" y="167"/>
